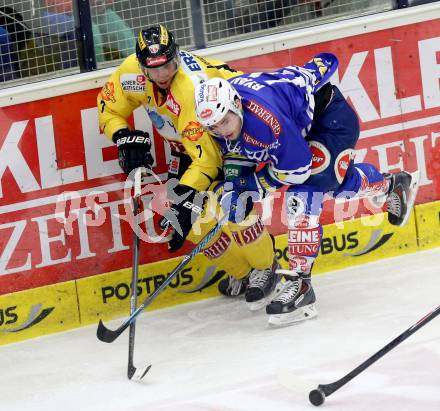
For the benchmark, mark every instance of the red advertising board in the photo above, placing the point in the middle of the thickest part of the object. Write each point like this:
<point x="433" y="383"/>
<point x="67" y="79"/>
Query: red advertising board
<point x="52" y="146"/>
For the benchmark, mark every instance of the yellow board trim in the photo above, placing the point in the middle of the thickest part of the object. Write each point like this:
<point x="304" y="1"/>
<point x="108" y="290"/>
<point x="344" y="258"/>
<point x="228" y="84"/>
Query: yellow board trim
<point x="107" y="295"/>
<point x="358" y="242"/>
<point x="60" y="307"/>
<point x="428" y="225"/>
<point x="38" y="311"/>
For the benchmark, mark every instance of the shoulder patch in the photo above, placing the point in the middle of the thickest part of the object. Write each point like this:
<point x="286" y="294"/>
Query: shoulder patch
<point x="108" y="92"/>
<point x="133" y="82"/>
<point x="320" y="157"/>
<point x="193" y="131"/>
<point x="342" y="163"/>
<point x="189" y="61"/>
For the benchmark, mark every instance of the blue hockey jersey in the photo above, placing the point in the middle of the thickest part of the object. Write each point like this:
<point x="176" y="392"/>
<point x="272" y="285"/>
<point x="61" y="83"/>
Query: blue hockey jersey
<point x="278" y="111"/>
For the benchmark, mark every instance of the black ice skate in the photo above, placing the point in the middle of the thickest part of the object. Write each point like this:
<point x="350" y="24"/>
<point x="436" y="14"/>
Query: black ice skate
<point x="295" y="302"/>
<point x="262" y="286"/>
<point x="401" y="196"/>
<point x="231" y="287"/>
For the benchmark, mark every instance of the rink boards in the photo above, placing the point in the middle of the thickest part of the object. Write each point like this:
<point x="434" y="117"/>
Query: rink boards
<point x="71" y="304"/>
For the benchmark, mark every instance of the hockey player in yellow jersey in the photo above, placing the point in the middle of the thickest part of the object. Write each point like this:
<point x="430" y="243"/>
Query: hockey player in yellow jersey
<point x="162" y="79"/>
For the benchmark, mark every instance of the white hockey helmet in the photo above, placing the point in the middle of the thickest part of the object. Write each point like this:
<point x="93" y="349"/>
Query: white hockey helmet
<point x="214" y="98"/>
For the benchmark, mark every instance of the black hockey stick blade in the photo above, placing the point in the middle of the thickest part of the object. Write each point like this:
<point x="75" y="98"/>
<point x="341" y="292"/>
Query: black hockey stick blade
<point x="137" y="373"/>
<point x="106" y="335"/>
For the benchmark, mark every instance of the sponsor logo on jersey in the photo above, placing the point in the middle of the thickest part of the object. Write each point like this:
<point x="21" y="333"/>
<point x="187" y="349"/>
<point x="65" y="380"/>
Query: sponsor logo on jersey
<point x="173" y="166"/>
<point x="189" y="61"/>
<point x="108" y="92"/>
<point x="320" y="157"/>
<point x="236" y="237"/>
<point x="231" y="170"/>
<point x="371" y="188"/>
<point x="193" y="131"/>
<point x="250" y="234"/>
<point x="342" y="163"/>
<point x="265" y="115"/>
<point x="275" y="145"/>
<point x="304" y="242"/>
<point x="310" y="235"/>
<point x="253" y="141"/>
<point x="173" y="105"/>
<point x="131" y="83"/>
<point x="218" y="248"/>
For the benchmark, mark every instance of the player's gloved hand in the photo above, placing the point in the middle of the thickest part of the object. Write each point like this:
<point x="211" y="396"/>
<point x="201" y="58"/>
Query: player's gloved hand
<point x="235" y="202"/>
<point x="181" y="215"/>
<point x="133" y="149"/>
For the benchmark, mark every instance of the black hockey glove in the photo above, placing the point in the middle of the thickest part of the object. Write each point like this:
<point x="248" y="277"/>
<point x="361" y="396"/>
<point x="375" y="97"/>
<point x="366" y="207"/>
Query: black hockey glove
<point x="133" y="149"/>
<point x="181" y="215"/>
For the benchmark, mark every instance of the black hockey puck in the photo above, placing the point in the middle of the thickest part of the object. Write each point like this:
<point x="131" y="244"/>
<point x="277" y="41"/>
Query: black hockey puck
<point x="316" y="397"/>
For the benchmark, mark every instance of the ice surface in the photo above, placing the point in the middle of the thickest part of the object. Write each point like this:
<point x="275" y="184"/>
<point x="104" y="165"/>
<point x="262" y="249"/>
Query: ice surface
<point x="216" y="355"/>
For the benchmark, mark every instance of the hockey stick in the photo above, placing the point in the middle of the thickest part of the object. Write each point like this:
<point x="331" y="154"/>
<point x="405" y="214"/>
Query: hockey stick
<point x="108" y="336"/>
<point x="318" y="395"/>
<point x="131" y="369"/>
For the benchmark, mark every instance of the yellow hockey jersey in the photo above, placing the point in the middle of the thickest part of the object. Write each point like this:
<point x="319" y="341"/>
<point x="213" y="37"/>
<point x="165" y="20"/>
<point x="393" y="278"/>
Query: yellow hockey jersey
<point x="172" y="115"/>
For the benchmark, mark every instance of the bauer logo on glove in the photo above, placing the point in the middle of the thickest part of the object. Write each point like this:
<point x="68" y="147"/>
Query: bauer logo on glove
<point x="144" y="139"/>
<point x="133" y="149"/>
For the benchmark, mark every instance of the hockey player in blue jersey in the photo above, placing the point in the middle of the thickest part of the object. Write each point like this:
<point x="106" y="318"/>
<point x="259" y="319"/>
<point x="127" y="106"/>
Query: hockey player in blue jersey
<point x="304" y="132"/>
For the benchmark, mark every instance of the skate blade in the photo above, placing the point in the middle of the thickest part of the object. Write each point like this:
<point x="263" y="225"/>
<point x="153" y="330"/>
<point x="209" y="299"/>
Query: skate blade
<point x="300" y="314"/>
<point x="413" y="189"/>
<point x="257" y="305"/>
